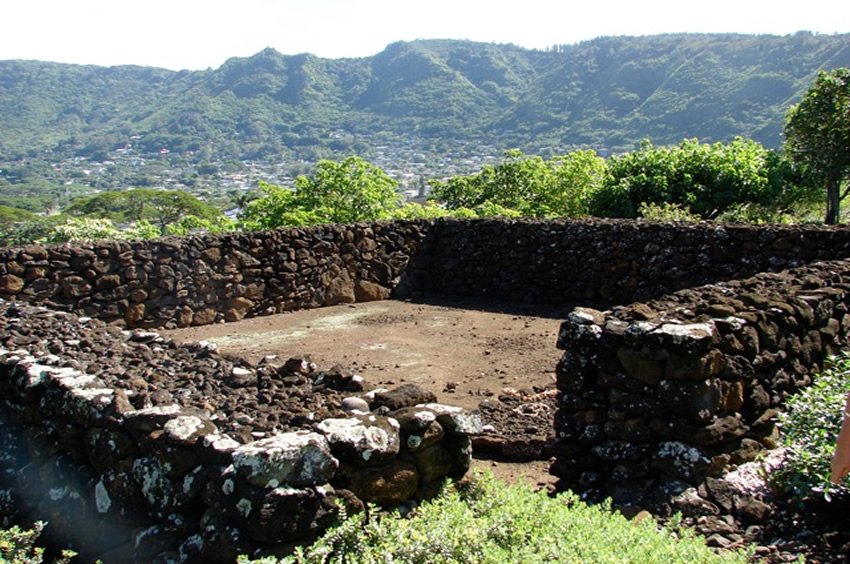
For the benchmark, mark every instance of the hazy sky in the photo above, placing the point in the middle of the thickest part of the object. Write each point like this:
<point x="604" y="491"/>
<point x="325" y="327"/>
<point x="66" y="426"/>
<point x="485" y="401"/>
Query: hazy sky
<point x="196" y="34"/>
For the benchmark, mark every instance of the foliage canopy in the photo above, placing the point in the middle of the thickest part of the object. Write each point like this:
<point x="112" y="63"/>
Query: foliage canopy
<point x="704" y="179"/>
<point x="527" y="185"/>
<point x="339" y="192"/>
<point x="817" y="135"/>
<point x="162" y="207"/>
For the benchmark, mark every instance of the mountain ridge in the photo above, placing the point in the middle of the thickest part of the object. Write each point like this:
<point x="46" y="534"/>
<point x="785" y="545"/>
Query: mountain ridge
<point x="606" y="93"/>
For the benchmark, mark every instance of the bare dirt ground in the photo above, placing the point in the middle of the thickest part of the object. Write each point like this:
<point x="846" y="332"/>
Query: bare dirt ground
<point x="467" y="353"/>
<point x="463" y="351"/>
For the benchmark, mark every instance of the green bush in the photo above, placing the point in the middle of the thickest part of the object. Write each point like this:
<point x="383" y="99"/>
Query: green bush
<point x="17" y="546"/>
<point x="809" y="427"/>
<point x="487" y="521"/>
<point x="666" y="212"/>
<point x="707" y="180"/>
<point x="526" y="186"/>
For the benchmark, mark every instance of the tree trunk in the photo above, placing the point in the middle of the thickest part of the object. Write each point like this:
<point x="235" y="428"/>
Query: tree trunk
<point x="833" y="199"/>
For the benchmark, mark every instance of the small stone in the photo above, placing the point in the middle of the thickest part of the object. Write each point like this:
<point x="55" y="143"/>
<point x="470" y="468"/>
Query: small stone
<point x="237" y="308"/>
<point x="366" y="291"/>
<point x="456" y="420"/>
<point x="204" y="316"/>
<point x="240" y="377"/>
<point x="11" y="284"/>
<point x="340" y="290"/>
<point x="390" y="484"/>
<point x="187" y="429"/>
<point x="354" y="405"/>
<point x="414" y="420"/>
<point x="586" y="316"/>
<point x="753" y="510"/>
<point x="135" y="313"/>
<point x="406" y="395"/>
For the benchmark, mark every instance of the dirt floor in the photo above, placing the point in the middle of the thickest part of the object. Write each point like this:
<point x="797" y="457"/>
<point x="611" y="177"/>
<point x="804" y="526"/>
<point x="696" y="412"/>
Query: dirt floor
<point x="463" y="351"/>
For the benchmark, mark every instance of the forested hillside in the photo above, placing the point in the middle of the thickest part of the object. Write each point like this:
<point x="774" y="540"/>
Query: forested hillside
<point x="606" y="94"/>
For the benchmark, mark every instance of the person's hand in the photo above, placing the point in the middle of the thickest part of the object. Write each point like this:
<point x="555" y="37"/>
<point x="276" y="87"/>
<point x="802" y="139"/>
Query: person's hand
<point x="840" y="466"/>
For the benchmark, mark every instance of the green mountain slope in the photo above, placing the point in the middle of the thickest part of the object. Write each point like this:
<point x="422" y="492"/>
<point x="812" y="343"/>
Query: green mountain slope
<point x="607" y="93"/>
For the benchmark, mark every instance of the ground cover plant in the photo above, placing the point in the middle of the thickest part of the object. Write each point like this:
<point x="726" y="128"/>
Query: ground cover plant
<point x="810" y="426"/>
<point x="485" y="521"/>
<point x="18" y="546"/>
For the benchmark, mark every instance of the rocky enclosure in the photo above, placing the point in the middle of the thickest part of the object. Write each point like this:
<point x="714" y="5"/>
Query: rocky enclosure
<point x="135" y="448"/>
<point x="204" y="457"/>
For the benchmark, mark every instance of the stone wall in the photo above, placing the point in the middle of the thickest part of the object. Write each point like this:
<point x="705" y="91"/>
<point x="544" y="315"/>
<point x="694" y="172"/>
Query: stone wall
<point x="136" y="449"/>
<point x="189" y="453"/>
<point x="608" y="261"/>
<point x="199" y="280"/>
<point x="658" y="396"/>
<point x="205" y="279"/>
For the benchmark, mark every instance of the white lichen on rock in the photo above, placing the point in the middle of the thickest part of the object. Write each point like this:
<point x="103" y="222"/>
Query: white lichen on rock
<point x="188" y="428"/>
<point x="298" y="458"/>
<point x="244" y="507"/>
<point x="101" y="497"/>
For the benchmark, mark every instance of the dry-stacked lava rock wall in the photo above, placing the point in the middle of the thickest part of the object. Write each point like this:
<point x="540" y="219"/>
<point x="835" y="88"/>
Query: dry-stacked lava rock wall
<point x="608" y="261"/>
<point x="205" y="279"/>
<point x="199" y="280"/>
<point x="137" y="449"/>
<point x="657" y="396"/>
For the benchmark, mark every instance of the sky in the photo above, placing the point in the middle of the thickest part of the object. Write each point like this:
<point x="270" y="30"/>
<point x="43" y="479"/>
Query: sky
<point x="200" y="34"/>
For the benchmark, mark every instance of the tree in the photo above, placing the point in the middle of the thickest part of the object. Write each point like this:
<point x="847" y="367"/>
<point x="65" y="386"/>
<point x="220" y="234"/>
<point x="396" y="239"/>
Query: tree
<point x="345" y="192"/>
<point x="167" y="206"/>
<point x="701" y="179"/>
<point x="526" y="186"/>
<point x="817" y="134"/>
<point x="349" y="191"/>
<point x="162" y="207"/>
<point x="10" y="215"/>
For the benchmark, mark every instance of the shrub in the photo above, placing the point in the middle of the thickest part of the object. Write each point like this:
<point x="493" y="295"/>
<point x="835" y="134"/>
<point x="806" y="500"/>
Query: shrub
<point x="666" y="212"/>
<point x="17" y="546"/>
<point x="707" y="180"/>
<point x="809" y="427"/>
<point x="486" y="521"/>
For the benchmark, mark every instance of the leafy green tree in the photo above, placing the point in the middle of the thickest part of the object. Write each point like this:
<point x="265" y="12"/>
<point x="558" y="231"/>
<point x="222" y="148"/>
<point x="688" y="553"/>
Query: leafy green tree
<point x="414" y="210"/>
<point x="161" y="207"/>
<point x="339" y="192"/>
<point x="189" y="224"/>
<point x="702" y="179"/>
<point x="113" y="205"/>
<point x="817" y="134"/>
<point x="94" y="229"/>
<point x="276" y="208"/>
<point x="165" y="207"/>
<point x="348" y="191"/>
<point x="666" y="212"/>
<point x="527" y="186"/>
<point x="10" y="215"/>
<point x="26" y="232"/>
<point x="578" y="176"/>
